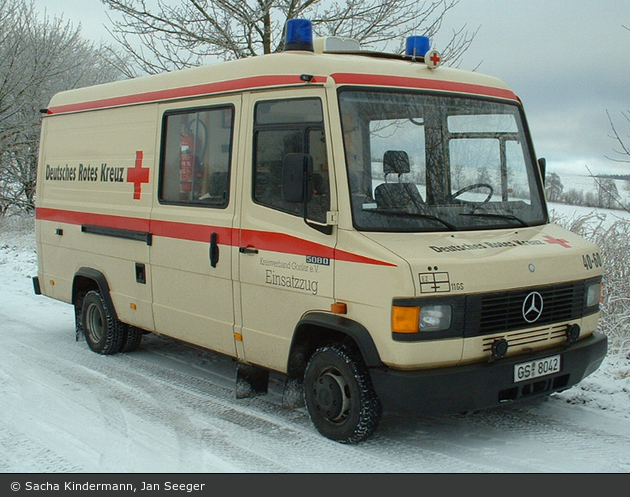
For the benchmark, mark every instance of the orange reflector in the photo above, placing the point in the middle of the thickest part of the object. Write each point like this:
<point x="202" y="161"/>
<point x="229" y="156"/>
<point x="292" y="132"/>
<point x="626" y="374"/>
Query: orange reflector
<point x="238" y="337"/>
<point x="405" y="319"/>
<point x="133" y="306"/>
<point x="52" y="282"/>
<point x="339" y="308"/>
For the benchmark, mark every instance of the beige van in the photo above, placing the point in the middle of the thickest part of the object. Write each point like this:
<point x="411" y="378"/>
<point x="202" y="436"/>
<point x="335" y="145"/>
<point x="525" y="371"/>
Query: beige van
<point x="371" y="225"/>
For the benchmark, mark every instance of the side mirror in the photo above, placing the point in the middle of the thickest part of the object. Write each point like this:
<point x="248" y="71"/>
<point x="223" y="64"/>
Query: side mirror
<point x="542" y="165"/>
<point x="297" y="178"/>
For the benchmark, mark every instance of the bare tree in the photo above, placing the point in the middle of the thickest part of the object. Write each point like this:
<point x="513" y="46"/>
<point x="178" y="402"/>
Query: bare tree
<point x="553" y="187"/>
<point x="622" y="153"/>
<point x="38" y="58"/>
<point x="179" y="34"/>
<point x="607" y="194"/>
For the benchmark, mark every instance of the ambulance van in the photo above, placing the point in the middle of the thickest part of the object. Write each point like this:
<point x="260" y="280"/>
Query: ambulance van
<point x="371" y="227"/>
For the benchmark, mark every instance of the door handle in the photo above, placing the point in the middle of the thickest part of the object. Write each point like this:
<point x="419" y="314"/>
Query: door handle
<point x="214" y="250"/>
<point x="248" y="250"/>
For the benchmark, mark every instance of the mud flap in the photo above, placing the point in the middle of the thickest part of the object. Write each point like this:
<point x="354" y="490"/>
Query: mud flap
<point x="293" y="393"/>
<point x="79" y="334"/>
<point x="251" y="381"/>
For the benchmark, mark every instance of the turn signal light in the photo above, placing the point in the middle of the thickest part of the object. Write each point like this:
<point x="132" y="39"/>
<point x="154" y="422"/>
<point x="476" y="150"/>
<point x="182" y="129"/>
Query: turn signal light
<point x="339" y="308"/>
<point x="405" y="319"/>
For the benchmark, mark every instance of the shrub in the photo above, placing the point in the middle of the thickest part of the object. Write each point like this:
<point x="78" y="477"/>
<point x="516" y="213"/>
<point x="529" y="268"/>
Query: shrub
<point x="613" y="239"/>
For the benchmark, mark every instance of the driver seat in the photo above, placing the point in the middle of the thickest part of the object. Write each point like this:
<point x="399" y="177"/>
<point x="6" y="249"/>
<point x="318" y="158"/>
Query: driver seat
<point x="403" y="196"/>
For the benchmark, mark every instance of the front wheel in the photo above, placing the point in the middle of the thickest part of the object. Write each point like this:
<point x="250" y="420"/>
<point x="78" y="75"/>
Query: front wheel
<point x="339" y="395"/>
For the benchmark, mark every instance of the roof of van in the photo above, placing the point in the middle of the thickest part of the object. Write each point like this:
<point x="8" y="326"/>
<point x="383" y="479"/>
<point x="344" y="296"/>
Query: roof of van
<point x="295" y="68"/>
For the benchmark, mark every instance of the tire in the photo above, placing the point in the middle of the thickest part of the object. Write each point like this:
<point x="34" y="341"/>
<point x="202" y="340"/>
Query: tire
<point x="339" y="395"/>
<point x="103" y="333"/>
<point x="131" y="339"/>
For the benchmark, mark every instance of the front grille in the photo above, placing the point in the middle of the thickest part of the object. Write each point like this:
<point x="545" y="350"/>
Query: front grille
<point x="528" y="337"/>
<point x="503" y="311"/>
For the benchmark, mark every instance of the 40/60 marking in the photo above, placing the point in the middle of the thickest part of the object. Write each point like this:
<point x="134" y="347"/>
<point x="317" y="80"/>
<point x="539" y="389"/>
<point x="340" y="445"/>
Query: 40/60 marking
<point x="591" y="261"/>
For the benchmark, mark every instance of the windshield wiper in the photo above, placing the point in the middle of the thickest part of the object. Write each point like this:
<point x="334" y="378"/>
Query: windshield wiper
<point x="419" y="216"/>
<point x="498" y="216"/>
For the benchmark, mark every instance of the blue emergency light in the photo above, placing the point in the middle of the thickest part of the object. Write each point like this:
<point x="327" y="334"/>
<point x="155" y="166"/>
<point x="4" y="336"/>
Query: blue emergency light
<point x="299" y="35"/>
<point x="417" y="46"/>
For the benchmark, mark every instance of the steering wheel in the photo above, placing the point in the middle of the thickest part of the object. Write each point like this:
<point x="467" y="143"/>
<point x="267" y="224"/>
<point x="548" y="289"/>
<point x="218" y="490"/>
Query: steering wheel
<point x="474" y="187"/>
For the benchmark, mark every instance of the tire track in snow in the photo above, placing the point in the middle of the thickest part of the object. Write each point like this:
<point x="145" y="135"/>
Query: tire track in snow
<point x="159" y="395"/>
<point x="546" y="429"/>
<point x="100" y="385"/>
<point x="31" y="456"/>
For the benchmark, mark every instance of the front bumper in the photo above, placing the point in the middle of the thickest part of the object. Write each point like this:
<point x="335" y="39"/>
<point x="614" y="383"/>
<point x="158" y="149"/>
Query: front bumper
<point x="485" y="385"/>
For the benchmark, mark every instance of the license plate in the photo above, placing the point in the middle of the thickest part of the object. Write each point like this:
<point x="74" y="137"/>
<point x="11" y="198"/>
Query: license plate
<point x="534" y="369"/>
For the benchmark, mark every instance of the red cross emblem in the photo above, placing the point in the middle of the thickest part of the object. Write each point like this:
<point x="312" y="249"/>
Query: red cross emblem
<point x="138" y="175"/>
<point x="557" y="241"/>
<point x="433" y="59"/>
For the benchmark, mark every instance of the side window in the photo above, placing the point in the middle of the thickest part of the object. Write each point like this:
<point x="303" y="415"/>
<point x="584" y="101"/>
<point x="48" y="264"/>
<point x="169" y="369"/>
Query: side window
<point x="195" y="160"/>
<point x="283" y="127"/>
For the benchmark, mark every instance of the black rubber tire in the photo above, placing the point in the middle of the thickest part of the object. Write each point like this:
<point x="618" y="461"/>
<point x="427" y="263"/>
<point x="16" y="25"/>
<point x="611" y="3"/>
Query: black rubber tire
<point x="132" y="339"/>
<point x="339" y="395"/>
<point x="103" y="333"/>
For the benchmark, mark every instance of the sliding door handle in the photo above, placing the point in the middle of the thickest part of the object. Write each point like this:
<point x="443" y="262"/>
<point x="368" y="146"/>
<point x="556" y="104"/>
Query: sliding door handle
<point x="214" y="250"/>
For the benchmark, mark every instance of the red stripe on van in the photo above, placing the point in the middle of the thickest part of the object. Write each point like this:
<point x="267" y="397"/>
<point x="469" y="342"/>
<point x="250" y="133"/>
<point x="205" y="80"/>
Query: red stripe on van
<point x="264" y="240"/>
<point x="281" y="242"/>
<point x="79" y="218"/>
<point x="186" y="91"/>
<point x="192" y="232"/>
<point x="422" y="83"/>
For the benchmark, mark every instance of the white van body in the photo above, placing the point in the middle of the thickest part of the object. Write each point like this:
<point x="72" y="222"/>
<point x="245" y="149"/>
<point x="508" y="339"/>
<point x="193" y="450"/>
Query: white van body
<point x="370" y="226"/>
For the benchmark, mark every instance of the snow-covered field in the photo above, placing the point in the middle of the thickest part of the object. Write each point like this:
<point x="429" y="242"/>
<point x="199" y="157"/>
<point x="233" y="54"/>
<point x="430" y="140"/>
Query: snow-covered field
<point x="168" y="408"/>
<point x="584" y="182"/>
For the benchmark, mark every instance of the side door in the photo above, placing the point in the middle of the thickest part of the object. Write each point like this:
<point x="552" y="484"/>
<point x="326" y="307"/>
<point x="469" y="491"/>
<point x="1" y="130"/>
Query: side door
<point x="286" y="266"/>
<point x="192" y="221"/>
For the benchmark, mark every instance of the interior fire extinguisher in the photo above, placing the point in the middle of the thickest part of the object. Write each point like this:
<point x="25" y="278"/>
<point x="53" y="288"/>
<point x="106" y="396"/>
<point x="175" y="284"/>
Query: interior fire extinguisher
<point x="186" y="164"/>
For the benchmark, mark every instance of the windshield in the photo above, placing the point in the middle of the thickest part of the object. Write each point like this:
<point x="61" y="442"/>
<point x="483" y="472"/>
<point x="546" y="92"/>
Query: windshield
<point x="420" y="162"/>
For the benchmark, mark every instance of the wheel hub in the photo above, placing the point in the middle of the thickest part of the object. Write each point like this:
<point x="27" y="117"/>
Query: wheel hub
<point x="331" y="395"/>
<point x="94" y="323"/>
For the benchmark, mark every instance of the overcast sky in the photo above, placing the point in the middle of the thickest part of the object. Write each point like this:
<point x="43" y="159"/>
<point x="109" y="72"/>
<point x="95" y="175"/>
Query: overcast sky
<point x="567" y="60"/>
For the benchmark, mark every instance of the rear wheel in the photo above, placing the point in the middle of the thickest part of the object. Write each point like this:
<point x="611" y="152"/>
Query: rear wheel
<point x="339" y="395"/>
<point x="132" y="339"/>
<point x="103" y="332"/>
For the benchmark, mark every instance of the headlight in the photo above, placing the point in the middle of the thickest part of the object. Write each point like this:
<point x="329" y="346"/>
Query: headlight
<point x="435" y="318"/>
<point x="593" y="294"/>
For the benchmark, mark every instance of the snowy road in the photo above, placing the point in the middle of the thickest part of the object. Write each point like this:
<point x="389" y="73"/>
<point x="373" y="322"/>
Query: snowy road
<point x="170" y="408"/>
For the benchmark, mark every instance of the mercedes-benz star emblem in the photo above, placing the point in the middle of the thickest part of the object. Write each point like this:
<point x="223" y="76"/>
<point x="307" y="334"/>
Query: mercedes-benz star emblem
<point x="532" y="307"/>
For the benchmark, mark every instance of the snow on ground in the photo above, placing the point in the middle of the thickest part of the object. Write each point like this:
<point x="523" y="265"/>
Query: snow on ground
<point x="169" y="408"/>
